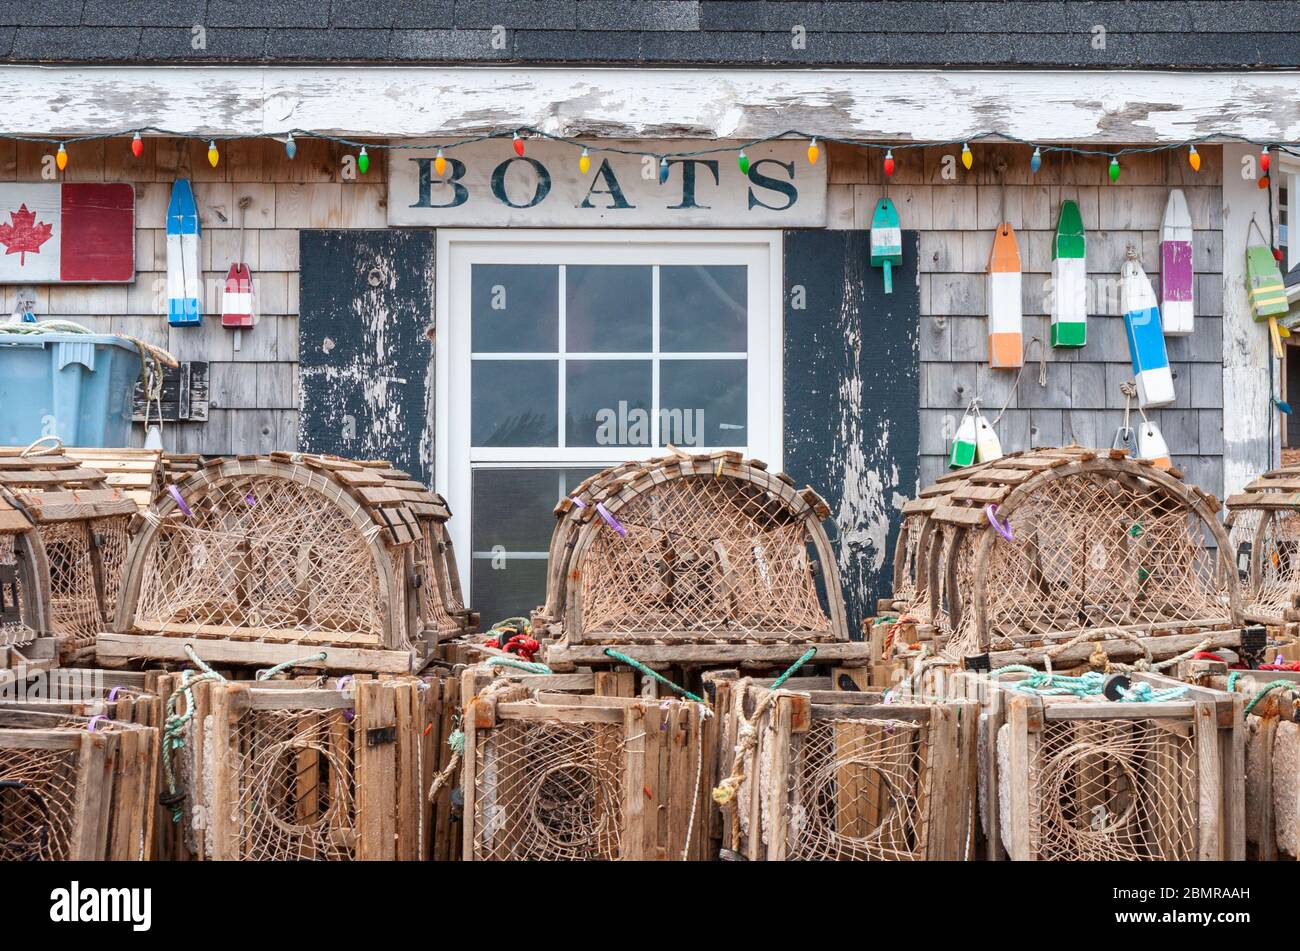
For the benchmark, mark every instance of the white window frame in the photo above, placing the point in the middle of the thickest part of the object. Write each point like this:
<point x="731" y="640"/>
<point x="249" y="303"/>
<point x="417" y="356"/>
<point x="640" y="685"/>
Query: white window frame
<point x="457" y="249"/>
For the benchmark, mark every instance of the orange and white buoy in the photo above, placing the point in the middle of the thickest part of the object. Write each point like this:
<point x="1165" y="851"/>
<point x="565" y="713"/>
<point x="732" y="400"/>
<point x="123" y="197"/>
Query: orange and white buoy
<point x="1005" y="318"/>
<point x="1151" y="445"/>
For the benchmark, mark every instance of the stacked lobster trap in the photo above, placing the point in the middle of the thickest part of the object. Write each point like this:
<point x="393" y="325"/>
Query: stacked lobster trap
<point x="63" y="544"/>
<point x="290" y="558"/>
<point x="1264" y="531"/>
<point x="1136" y="767"/>
<point x="298" y="769"/>
<point x="75" y="788"/>
<point x="556" y="776"/>
<point x="1272" y="768"/>
<point x="1075" y="554"/>
<point x="698" y="559"/>
<point x="810" y="773"/>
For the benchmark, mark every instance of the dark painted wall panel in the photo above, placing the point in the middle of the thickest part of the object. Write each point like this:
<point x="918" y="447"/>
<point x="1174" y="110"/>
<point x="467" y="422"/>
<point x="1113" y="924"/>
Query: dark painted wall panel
<point x="366" y="363"/>
<point x="851" y="396"/>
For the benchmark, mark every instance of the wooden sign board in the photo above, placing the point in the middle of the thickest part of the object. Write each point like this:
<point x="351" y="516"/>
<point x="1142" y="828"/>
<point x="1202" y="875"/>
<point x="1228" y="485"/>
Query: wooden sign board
<point x="487" y="185"/>
<point x="67" y="233"/>
<point x="184" y="395"/>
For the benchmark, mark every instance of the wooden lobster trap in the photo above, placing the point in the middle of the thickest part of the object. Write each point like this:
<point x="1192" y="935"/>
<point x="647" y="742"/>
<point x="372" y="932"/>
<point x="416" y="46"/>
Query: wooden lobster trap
<point x="300" y="769"/>
<point x="75" y="788"/>
<point x="136" y="473"/>
<point x="1073" y="552"/>
<point x="1086" y="777"/>
<point x="63" y="544"/>
<point x="551" y="776"/>
<point x="1272" y="792"/>
<point x="692" y="559"/>
<point x="845" y="775"/>
<point x="1264" y="535"/>
<point x="288" y="558"/>
<point x="442" y="612"/>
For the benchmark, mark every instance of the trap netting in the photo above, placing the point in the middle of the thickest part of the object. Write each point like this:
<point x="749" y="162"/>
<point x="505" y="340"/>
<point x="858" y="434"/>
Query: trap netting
<point x="1055" y="543"/>
<point x="1265" y="537"/>
<point x="72" y="788"/>
<point x="15" y="629"/>
<point x="855" y="789"/>
<point x="86" y="561"/>
<point x="1107" y="790"/>
<point x="687" y="548"/>
<point x="296" y="788"/>
<point x="38" y="799"/>
<point x="909" y="582"/>
<point x="549" y="791"/>
<point x="267" y="554"/>
<point x="441" y="606"/>
<point x="81" y="523"/>
<point x="846" y="775"/>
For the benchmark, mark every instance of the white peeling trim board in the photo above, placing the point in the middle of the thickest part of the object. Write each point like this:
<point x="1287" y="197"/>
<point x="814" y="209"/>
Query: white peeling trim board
<point x="418" y="101"/>
<point x="1249" y="448"/>
<point x="487" y="185"/>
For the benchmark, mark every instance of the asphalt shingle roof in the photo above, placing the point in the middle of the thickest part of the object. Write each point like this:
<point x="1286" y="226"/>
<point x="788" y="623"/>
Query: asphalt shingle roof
<point x="1201" y="34"/>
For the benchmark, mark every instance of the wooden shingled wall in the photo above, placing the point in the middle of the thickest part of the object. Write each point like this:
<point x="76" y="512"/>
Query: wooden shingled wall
<point x="955" y="219"/>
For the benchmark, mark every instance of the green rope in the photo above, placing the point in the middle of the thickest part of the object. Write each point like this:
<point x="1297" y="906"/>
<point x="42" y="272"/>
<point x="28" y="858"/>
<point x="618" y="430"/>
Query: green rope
<point x="456" y="742"/>
<point x="884" y="619"/>
<point x="1271" y="685"/>
<point x="808" y="655"/>
<point x="531" y="667"/>
<point x="1087" y="685"/>
<point x="636" y="664"/>
<point x="298" y="662"/>
<point x="1232" y="680"/>
<point x="173" y="738"/>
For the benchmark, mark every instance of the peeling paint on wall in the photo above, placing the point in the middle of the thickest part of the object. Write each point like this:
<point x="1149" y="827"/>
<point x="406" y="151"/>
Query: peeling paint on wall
<point x="367" y="364"/>
<point x="851" y="397"/>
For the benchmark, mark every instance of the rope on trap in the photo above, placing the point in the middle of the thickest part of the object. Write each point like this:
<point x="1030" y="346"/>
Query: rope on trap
<point x="724" y="794"/>
<point x="174" y="724"/>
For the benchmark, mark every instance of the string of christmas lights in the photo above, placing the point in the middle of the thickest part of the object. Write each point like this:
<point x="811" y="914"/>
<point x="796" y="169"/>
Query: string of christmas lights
<point x="518" y="138"/>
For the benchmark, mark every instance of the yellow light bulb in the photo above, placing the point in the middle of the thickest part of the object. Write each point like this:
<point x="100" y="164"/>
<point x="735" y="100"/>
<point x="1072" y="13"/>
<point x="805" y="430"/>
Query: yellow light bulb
<point x="439" y="163"/>
<point x="213" y="155"/>
<point x="1194" y="159"/>
<point x="967" y="159"/>
<point x="61" y="157"/>
<point x="584" y="162"/>
<point x="813" y="152"/>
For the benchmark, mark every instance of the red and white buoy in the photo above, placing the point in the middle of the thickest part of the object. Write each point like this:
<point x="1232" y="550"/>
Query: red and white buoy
<point x="237" y="309"/>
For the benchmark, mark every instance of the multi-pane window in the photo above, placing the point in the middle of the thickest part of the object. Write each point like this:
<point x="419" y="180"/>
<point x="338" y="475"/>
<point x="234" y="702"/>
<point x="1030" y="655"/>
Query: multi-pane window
<point x="564" y="356"/>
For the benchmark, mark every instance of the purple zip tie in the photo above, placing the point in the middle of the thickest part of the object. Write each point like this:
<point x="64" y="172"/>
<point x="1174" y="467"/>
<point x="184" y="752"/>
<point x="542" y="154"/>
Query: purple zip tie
<point x="349" y="713"/>
<point x="250" y="500"/>
<point x="610" y="520"/>
<point x="112" y="694"/>
<point x="180" y="500"/>
<point x="93" y="720"/>
<point x="1003" y="528"/>
<point x="577" y="501"/>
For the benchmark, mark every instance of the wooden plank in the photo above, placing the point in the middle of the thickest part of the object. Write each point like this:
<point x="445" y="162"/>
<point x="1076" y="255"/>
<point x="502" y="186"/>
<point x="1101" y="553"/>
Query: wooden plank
<point x="565" y="657"/>
<point x="634" y="781"/>
<point x="111" y="648"/>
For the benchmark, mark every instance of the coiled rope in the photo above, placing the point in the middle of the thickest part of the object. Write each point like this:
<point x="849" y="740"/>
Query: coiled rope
<point x="1047" y="684"/>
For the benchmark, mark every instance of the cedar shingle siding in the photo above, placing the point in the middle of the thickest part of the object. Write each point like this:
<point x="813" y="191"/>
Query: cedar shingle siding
<point x="1048" y="34"/>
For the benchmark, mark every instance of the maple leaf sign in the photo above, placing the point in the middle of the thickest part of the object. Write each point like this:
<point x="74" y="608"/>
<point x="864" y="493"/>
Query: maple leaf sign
<point x="24" y="234"/>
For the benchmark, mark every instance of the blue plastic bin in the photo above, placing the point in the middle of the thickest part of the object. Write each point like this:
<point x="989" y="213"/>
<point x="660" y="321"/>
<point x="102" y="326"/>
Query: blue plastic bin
<point x="74" y="386"/>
